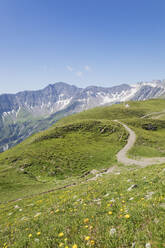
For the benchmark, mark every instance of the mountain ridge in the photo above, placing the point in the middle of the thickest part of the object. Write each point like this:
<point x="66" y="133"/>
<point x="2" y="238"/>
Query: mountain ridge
<point x="27" y="112"/>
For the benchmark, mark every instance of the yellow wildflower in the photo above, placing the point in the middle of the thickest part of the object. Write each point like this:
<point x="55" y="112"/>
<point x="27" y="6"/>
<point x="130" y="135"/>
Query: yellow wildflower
<point x="38" y="233"/>
<point x="30" y="235"/>
<point x="127" y="216"/>
<point x="86" y="220"/>
<point x="92" y="242"/>
<point x="74" y="246"/>
<point x="61" y="234"/>
<point x="87" y="238"/>
<point x="110" y="212"/>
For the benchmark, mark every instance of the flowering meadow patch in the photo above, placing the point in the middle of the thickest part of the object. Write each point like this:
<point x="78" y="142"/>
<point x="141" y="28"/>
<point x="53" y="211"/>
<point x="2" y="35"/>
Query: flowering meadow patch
<point x="100" y="213"/>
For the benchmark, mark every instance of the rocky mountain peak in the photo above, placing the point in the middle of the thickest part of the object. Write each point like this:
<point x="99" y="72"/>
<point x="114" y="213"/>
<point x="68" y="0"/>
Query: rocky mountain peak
<point x="63" y="99"/>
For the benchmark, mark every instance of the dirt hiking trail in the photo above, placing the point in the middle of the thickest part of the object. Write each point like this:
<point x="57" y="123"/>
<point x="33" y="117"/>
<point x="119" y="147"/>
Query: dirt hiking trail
<point x="122" y="154"/>
<point x="121" y="157"/>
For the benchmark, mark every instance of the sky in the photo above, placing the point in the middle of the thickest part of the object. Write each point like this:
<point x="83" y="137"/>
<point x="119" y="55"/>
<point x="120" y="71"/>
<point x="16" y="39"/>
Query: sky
<point x="80" y="42"/>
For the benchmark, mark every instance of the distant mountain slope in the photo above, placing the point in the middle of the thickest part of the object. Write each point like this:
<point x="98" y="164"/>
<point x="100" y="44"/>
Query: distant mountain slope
<point x="27" y="112"/>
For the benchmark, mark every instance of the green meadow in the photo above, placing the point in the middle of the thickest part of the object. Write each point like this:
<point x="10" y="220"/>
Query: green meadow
<point x="50" y="198"/>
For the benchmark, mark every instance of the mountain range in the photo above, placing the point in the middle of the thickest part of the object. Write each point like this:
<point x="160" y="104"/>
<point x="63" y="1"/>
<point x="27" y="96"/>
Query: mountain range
<point x="27" y="112"/>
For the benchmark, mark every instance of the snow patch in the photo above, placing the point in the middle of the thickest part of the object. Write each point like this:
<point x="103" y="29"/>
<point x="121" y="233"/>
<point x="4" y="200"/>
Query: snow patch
<point x="118" y="97"/>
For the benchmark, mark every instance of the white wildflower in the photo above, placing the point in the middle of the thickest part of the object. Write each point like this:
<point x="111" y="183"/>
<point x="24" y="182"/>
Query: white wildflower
<point x="112" y="231"/>
<point x="148" y="245"/>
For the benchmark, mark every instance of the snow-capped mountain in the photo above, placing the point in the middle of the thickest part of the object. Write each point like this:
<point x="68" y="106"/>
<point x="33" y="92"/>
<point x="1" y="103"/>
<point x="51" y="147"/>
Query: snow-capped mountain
<point x="26" y="112"/>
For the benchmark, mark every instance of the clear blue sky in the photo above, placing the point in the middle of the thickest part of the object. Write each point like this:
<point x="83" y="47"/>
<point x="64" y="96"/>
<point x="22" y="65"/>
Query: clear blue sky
<point x="81" y="42"/>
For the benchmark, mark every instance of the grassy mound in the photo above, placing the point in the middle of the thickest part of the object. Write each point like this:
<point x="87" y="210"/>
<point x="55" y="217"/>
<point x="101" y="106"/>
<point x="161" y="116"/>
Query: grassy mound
<point x="68" y="150"/>
<point x="64" y="152"/>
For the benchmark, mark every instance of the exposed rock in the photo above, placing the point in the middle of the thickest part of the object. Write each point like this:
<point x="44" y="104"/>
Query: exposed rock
<point x="96" y="200"/>
<point x="133" y="244"/>
<point x="94" y="172"/>
<point x="149" y="195"/>
<point x="149" y="126"/>
<point x="132" y="187"/>
<point x="16" y="207"/>
<point x="36" y="215"/>
<point x="24" y="218"/>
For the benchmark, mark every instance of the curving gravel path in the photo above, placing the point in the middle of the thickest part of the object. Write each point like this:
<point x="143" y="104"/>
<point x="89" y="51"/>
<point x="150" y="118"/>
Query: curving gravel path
<point x="122" y="154"/>
<point x="153" y="113"/>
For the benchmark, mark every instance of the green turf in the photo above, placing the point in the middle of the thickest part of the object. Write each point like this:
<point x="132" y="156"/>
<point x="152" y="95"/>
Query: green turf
<point x="84" y="214"/>
<point x="136" y="109"/>
<point x="90" y="211"/>
<point x="149" y="143"/>
<point x="60" y="153"/>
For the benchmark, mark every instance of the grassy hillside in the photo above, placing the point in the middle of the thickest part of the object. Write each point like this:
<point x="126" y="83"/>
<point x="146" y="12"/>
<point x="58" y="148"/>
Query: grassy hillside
<point x="149" y="143"/>
<point x="77" y="144"/>
<point x="124" y="208"/>
<point x="68" y="150"/>
<point x="119" y="111"/>
<point x="61" y="152"/>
